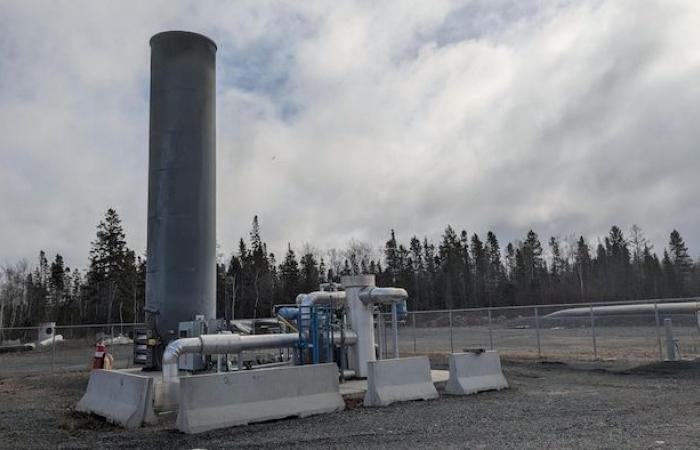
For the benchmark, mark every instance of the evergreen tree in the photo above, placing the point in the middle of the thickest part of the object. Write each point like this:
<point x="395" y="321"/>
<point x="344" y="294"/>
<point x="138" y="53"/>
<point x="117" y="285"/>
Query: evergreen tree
<point x="451" y="262"/>
<point x="111" y="275"/>
<point x="582" y="265"/>
<point x="391" y="253"/>
<point x="682" y="264"/>
<point x="289" y="276"/>
<point x="481" y="267"/>
<point x="57" y="280"/>
<point x="310" y="274"/>
<point x="533" y="266"/>
<point x="495" y="276"/>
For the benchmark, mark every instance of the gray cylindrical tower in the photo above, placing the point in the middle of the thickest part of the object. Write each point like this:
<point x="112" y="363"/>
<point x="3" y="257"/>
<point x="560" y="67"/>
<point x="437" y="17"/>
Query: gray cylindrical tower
<point x="181" y="276"/>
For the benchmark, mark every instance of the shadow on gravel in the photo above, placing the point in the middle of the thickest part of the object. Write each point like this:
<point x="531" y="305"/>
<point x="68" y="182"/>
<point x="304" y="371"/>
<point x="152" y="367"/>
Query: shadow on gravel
<point x="659" y="369"/>
<point x="675" y="369"/>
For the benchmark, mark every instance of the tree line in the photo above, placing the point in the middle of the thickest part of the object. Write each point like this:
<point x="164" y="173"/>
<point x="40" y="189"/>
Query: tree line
<point x="458" y="271"/>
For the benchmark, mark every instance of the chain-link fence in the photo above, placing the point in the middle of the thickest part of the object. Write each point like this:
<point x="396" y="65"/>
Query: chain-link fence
<point x="27" y="350"/>
<point x="619" y="331"/>
<point x="642" y="332"/>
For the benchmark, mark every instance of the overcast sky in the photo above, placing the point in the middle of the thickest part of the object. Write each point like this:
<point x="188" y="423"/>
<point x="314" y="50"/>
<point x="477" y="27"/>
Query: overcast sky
<point x="341" y="120"/>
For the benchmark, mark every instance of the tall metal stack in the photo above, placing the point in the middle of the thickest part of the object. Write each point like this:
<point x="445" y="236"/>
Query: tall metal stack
<point x="181" y="277"/>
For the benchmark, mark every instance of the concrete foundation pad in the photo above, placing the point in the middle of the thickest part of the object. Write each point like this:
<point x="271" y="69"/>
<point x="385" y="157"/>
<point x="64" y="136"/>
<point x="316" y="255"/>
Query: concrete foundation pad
<point x="475" y="372"/>
<point x="121" y="397"/>
<point x="398" y="380"/>
<point x="209" y="402"/>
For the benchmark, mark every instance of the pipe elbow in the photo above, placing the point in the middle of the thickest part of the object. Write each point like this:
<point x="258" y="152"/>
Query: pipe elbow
<point x="174" y="350"/>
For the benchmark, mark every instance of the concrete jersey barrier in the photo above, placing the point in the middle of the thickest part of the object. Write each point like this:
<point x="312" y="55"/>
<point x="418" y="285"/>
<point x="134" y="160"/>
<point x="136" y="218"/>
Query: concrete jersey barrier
<point x="399" y="380"/>
<point x="122" y="398"/>
<point x="475" y="372"/>
<point x="208" y="402"/>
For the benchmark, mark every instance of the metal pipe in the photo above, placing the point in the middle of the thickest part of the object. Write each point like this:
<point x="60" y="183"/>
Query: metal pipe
<point x="415" y="344"/>
<point x="452" y="346"/>
<point x="640" y="308"/>
<point x="671" y="351"/>
<point x="537" y="331"/>
<point x="395" y="329"/>
<point x="333" y="298"/>
<point x="490" y="329"/>
<point x="658" y="331"/>
<point x="380" y="333"/>
<point x="386" y="295"/>
<point x="347" y="337"/>
<point x="593" y="333"/>
<point x="209" y="344"/>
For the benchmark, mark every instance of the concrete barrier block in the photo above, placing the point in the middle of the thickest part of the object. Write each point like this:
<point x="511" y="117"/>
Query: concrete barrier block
<point x="122" y="398"/>
<point x="475" y="372"/>
<point x="208" y="402"/>
<point x="399" y="380"/>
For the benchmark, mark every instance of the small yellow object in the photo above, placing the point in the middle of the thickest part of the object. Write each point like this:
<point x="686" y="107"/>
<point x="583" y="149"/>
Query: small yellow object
<point x="151" y="342"/>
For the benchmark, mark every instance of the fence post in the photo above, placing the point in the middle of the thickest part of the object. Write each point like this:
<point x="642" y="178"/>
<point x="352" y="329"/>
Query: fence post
<point x="53" y="349"/>
<point x="490" y="330"/>
<point x="697" y="316"/>
<point x="595" y="344"/>
<point x="449" y="315"/>
<point x="414" y="332"/>
<point x="537" y="332"/>
<point x="658" y="331"/>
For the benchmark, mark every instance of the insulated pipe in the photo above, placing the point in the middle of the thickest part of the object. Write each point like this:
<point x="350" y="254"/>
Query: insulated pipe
<point x="638" y="308"/>
<point x="209" y="344"/>
<point x="349" y="336"/>
<point x="360" y="316"/>
<point x="334" y="298"/>
<point x="386" y="295"/>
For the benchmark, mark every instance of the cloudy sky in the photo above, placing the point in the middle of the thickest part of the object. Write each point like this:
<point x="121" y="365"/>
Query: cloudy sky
<point x="341" y="120"/>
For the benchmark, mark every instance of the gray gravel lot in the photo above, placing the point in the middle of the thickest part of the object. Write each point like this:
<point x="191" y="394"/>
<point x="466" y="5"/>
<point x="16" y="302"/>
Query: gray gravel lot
<point x="549" y="406"/>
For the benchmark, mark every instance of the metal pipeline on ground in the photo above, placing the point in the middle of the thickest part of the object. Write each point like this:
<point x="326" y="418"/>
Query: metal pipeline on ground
<point x="210" y="344"/>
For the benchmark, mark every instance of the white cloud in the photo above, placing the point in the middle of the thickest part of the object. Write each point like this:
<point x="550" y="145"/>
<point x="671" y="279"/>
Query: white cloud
<point x="342" y="120"/>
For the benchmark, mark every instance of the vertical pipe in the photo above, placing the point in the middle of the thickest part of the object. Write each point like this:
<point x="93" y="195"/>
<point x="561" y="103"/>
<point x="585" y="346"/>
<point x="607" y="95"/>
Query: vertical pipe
<point x="382" y="336"/>
<point x="384" y="331"/>
<point x="490" y="329"/>
<point x="537" y="332"/>
<point x="53" y="350"/>
<point x="415" y="331"/>
<point x="395" y="329"/>
<point x="452" y="348"/>
<point x="593" y="334"/>
<point x="658" y="331"/>
<point x="671" y="353"/>
<point x="361" y="318"/>
<point x="697" y="316"/>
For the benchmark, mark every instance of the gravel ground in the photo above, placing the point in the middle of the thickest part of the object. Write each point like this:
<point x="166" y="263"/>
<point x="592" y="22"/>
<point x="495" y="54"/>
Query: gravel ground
<point x="550" y="405"/>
